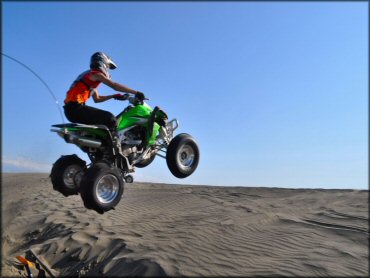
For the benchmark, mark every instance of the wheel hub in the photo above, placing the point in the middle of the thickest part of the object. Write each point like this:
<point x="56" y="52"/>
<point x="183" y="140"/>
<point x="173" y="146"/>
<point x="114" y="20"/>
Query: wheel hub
<point x="69" y="175"/>
<point x="107" y="188"/>
<point x="186" y="156"/>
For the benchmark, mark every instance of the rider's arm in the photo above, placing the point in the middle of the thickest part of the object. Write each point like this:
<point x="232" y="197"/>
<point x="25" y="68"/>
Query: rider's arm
<point x="98" y="98"/>
<point x="114" y="85"/>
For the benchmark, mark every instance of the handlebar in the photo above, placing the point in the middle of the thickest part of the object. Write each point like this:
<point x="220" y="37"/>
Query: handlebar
<point x="132" y="99"/>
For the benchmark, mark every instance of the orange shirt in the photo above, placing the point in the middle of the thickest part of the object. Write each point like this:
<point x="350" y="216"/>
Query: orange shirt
<point x="81" y="88"/>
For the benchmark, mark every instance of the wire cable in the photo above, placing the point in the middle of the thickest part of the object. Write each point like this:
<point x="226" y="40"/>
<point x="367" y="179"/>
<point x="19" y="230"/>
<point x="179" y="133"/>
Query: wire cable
<point x="42" y="81"/>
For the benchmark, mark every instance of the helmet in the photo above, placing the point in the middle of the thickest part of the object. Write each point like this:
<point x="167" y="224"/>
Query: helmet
<point x="102" y="62"/>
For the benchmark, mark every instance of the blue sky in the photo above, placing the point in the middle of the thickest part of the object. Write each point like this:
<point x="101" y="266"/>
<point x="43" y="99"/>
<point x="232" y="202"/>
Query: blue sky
<point x="276" y="94"/>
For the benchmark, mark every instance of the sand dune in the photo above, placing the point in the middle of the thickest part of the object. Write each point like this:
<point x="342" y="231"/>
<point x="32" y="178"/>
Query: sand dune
<point x="173" y="230"/>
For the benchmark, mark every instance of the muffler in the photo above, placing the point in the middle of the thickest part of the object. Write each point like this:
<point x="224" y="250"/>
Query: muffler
<point x="82" y="141"/>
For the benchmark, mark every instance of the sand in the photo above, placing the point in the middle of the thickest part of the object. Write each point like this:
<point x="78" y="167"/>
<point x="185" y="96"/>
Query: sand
<point x="177" y="230"/>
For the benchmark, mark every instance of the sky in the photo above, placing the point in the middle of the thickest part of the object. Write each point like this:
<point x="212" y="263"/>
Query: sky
<point x="275" y="94"/>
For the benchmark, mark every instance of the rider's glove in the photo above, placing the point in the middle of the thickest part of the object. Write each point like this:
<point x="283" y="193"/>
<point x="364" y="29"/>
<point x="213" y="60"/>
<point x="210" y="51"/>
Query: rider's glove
<point x="120" y="96"/>
<point x="140" y="95"/>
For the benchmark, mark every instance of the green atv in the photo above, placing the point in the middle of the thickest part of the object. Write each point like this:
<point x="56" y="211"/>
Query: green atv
<point x="143" y="133"/>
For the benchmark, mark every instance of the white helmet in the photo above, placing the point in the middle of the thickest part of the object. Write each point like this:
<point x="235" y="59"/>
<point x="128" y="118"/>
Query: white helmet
<point x="102" y="62"/>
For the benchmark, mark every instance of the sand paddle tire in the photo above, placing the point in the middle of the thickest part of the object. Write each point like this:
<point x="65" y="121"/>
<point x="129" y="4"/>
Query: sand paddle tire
<point x="66" y="174"/>
<point x="101" y="188"/>
<point x="182" y="155"/>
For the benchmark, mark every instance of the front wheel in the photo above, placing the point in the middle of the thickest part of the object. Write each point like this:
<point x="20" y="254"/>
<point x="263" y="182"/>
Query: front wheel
<point x="102" y="187"/>
<point x="145" y="162"/>
<point x="182" y="155"/>
<point x="65" y="174"/>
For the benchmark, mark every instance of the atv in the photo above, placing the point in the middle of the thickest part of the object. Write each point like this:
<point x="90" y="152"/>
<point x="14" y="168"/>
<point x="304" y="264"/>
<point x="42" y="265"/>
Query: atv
<point x="143" y="134"/>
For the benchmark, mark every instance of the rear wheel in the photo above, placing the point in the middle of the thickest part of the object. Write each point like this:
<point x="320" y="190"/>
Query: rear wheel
<point x="102" y="187"/>
<point x="182" y="155"/>
<point x="65" y="174"/>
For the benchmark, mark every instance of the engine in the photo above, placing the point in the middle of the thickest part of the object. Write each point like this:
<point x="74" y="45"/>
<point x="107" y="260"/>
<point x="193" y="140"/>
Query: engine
<point x="131" y="140"/>
<point x="133" y="136"/>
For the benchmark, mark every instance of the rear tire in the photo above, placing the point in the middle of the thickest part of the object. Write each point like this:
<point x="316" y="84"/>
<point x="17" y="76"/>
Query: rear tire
<point x="182" y="155"/>
<point x="102" y="187"/>
<point x="65" y="172"/>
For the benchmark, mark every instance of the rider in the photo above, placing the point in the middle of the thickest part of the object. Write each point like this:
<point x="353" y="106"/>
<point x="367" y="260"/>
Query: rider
<point x="85" y="86"/>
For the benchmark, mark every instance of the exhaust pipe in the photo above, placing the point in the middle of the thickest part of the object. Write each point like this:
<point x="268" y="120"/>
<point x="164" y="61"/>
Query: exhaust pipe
<point x="82" y="141"/>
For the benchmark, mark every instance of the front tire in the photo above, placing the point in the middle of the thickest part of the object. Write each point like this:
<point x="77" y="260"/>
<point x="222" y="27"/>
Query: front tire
<point x="182" y="155"/>
<point x="145" y="162"/>
<point x="65" y="172"/>
<point x="102" y="187"/>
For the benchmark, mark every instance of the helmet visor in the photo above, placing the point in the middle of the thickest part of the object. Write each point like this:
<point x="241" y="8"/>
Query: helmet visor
<point x="112" y="65"/>
<point x="109" y="62"/>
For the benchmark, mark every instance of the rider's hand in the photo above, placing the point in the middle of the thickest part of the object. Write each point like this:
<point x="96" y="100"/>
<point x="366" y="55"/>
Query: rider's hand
<point x="140" y="95"/>
<point x="120" y="96"/>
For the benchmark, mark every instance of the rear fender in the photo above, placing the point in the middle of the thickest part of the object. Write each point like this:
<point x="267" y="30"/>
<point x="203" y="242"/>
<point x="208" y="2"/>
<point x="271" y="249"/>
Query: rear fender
<point x="96" y="130"/>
